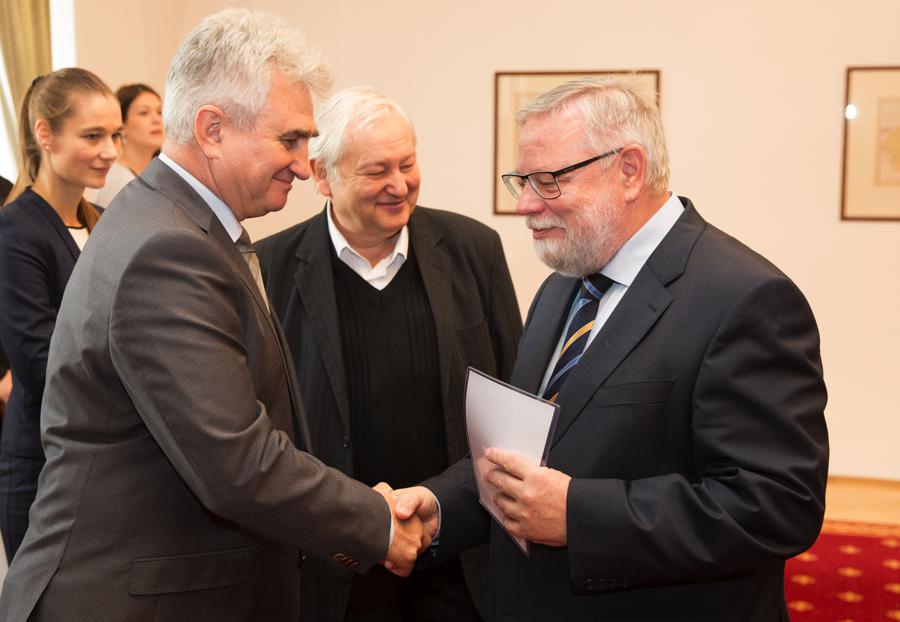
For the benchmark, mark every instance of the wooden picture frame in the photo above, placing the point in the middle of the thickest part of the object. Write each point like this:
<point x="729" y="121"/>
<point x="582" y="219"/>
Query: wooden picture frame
<point x="512" y="90"/>
<point x="870" y="188"/>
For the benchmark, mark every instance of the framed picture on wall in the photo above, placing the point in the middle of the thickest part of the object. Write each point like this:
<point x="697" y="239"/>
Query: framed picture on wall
<point x="871" y="182"/>
<point x="512" y="90"/>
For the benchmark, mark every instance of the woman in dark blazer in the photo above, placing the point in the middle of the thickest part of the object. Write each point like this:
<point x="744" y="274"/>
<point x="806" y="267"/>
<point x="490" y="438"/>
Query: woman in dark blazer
<point x="69" y="135"/>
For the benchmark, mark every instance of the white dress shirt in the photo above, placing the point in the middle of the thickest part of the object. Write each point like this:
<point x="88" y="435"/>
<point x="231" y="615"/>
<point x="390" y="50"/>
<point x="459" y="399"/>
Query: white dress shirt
<point x="382" y="273"/>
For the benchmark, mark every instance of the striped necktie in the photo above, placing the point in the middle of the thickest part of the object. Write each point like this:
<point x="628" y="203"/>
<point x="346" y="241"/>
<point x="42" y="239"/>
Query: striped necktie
<point x="249" y="255"/>
<point x="592" y="289"/>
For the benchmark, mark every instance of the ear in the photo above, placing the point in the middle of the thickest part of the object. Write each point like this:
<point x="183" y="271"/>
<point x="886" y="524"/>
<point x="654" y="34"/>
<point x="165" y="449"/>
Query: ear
<point x="633" y="166"/>
<point x="321" y="177"/>
<point x="208" y="131"/>
<point x="42" y="134"/>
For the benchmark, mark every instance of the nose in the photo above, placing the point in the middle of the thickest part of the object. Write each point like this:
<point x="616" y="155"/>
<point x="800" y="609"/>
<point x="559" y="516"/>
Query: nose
<point x="110" y="149"/>
<point x="529" y="202"/>
<point x="397" y="184"/>
<point x="300" y="166"/>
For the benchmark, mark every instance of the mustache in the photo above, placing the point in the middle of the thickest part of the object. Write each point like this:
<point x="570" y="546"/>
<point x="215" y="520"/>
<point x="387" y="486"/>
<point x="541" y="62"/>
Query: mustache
<point x="543" y="222"/>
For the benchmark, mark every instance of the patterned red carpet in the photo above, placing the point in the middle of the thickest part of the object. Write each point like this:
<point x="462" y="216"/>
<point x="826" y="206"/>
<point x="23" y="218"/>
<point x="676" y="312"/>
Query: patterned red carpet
<point x="851" y="574"/>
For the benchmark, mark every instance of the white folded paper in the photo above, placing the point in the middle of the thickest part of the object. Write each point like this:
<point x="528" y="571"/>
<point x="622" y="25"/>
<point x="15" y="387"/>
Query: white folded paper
<point x="502" y="416"/>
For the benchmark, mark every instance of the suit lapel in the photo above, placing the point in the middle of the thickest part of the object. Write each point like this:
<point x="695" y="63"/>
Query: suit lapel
<point x="437" y="273"/>
<point x="636" y="313"/>
<point x="52" y="218"/>
<point x="315" y="288"/>
<point x="169" y="183"/>
<point x="542" y="332"/>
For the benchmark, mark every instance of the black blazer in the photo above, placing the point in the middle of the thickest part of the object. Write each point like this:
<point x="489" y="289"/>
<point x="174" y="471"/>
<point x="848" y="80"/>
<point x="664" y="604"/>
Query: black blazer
<point x="693" y="430"/>
<point x="477" y="321"/>
<point x="37" y="254"/>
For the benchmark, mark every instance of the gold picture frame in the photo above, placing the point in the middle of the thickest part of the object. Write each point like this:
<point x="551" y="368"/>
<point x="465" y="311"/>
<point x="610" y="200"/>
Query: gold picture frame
<point x="870" y="188"/>
<point x="514" y="89"/>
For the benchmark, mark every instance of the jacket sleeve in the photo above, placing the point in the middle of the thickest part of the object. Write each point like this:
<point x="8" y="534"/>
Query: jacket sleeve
<point x="27" y="313"/>
<point x="182" y="349"/>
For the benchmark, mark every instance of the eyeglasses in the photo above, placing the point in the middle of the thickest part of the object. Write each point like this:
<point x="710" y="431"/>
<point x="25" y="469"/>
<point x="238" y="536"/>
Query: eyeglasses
<point x="544" y="183"/>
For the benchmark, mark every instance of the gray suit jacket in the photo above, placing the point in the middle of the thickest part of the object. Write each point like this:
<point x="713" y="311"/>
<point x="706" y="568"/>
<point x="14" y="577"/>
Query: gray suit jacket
<point x="173" y="489"/>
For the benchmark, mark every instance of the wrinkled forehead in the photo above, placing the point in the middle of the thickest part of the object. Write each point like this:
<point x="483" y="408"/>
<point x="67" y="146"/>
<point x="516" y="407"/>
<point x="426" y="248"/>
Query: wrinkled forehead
<point x="551" y="138"/>
<point x="387" y="131"/>
<point x="288" y="106"/>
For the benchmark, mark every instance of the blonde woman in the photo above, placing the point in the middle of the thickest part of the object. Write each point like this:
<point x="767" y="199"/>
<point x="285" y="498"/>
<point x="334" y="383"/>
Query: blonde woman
<point x="70" y="127"/>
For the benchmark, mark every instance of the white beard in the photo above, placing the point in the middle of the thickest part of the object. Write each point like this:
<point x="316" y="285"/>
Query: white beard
<point x="586" y="246"/>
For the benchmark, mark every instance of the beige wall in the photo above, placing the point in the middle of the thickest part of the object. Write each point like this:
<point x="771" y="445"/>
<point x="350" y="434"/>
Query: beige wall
<point x="752" y="98"/>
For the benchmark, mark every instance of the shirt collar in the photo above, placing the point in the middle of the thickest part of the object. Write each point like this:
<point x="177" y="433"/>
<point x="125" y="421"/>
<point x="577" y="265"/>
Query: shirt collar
<point x="217" y="205"/>
<point x="628" y="261"/>
<point x="339" y="242"/>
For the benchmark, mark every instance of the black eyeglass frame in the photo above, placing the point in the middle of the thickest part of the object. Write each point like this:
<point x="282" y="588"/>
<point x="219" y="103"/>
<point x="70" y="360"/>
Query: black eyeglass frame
<point x="509" y="177"/>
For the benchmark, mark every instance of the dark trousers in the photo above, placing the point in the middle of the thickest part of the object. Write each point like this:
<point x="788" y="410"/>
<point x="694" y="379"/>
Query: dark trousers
<point x="435" y="595"/>
<point x="18" y="488"/>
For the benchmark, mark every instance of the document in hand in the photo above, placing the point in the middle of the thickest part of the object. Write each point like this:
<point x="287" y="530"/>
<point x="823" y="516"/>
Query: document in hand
<point x="499" y="415"/>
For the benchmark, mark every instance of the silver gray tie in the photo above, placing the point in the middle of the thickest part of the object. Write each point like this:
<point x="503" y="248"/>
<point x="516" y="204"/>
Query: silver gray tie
<point x="249" y="255"/>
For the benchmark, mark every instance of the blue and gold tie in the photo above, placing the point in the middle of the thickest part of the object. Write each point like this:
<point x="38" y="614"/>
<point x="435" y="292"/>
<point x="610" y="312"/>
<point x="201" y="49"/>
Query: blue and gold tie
<point x="592" y="289"/>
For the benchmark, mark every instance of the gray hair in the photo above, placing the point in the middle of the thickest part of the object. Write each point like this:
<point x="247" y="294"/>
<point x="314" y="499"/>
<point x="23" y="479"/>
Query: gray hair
<point x="343" y="115"/>
<point x="227" y="61"/>
<point x="617" y="111"/>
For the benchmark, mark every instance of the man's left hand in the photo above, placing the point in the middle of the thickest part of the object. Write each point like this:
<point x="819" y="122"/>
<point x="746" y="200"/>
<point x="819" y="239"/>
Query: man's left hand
<point x="532" y="498"/>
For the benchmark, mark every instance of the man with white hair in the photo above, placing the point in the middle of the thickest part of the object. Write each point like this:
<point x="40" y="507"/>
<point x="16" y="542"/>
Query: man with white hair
<point x="690" y="455"/>
<point x="177" y="486"/>
<point x="385" y="304"/>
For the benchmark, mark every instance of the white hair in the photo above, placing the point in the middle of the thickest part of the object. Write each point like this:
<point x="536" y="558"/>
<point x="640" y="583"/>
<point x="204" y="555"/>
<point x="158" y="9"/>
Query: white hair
<point x="617" y="111"/>
<point x="227" y="61"/>
<point x="343" y="115"/>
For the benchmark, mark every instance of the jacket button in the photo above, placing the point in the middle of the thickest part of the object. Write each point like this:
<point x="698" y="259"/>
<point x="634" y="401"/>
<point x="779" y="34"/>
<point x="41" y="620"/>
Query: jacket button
<point x="589" y="584"/>
<point x="346" y="442"/>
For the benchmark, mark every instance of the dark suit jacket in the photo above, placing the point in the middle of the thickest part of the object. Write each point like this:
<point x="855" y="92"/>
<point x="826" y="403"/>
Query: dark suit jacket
<point x="37" y="254"/>
<point x="173" y="489"/>
<point x="693" y="429"/>
<point x="477" y="323"/>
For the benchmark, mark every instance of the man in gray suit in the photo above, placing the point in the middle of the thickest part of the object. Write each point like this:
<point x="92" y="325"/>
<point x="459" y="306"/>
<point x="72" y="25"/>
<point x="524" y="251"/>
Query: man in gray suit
<point x="176" y="487"/>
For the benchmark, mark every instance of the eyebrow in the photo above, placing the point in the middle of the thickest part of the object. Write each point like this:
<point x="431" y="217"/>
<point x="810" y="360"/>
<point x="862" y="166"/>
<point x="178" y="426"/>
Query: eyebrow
<point x="298" y="134"/>
<point x="98" y="128"/>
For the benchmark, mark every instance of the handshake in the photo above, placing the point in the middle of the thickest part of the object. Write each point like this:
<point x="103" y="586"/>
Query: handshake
<point x="415" y="523"/>
<point x="531" y="500"/>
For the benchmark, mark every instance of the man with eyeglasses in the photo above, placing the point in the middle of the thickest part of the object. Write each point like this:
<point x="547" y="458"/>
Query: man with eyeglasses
<point x="690" y="455"/>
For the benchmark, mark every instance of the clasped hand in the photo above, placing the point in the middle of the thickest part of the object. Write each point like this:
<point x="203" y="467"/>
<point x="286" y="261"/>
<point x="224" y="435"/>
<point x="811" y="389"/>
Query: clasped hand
<point x="532" y="498"/>
<point x="414" y="512"/>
